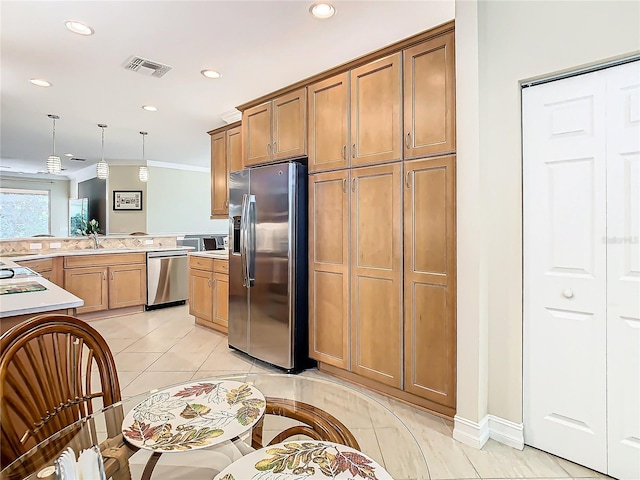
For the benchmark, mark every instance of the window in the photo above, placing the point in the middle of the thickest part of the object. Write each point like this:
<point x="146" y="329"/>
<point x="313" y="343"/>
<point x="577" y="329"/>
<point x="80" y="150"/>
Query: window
<point x="24" y="213"/>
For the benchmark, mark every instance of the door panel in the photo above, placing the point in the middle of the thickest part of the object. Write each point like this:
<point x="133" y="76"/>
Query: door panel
<point x="127" y="285"/>
<point x="290" y="125"/>
<point x="329" y="123"/>
<point x="623" y="275"/>
<point x="429" y="97"/>
<point x="376" y="274"/>
<point x="219" y="174"/>
<point x="270" y="328"/>
<point x="375" y="111"/>
<point x="234" y="149"/>
<point x="221" y="311"/>
<point x="329" y="268"/>
<point x="565" y="319"/>
<point x="90" y="284"/>
<point x="256" y="134"/>
<point x="200" y="294"/>
<point x="429" y="276"/>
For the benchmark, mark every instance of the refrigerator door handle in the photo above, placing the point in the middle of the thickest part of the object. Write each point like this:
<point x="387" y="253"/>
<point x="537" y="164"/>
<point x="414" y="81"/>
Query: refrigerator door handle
<point x="243" y="238"/>
<point x="250" y="239"/>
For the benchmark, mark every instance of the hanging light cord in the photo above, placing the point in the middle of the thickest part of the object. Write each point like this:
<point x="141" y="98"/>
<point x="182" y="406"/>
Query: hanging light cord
<point x="54" y="137"/>
<point x="102" y="143"/>
<point x="143" y="135"/>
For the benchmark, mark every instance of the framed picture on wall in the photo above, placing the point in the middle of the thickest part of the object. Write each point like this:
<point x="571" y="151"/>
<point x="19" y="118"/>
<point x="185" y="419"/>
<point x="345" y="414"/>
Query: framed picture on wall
<point x="127" y="199"/>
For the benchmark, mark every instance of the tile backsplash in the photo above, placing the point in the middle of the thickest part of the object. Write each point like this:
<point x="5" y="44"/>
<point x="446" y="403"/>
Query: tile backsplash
<point x="42" y="245"/>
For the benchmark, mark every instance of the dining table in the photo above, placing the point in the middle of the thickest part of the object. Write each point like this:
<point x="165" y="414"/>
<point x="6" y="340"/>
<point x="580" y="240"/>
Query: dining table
<point x="238" y="426"/>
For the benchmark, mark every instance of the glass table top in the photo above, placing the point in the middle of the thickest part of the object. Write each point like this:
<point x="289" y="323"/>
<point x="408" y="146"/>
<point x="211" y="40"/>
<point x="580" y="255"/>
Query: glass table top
<point x="340" y="410"/>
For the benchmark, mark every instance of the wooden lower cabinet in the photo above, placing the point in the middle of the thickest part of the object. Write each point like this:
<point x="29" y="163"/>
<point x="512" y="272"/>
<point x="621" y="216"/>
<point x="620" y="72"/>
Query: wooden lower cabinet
<point x="107" y="282"/>
<point x="382" y="278"/>
<point x="376" y="273"/>
<point x="329" y="268"/>
<point x="49" y="268"/>
<point x="90" y="284"/>
<point x="209" y="292"/>
<point x="430" y="281"/>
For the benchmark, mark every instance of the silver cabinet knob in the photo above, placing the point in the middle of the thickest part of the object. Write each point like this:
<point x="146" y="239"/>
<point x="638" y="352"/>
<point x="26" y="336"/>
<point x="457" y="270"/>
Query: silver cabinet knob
<point x="568" y="293"/>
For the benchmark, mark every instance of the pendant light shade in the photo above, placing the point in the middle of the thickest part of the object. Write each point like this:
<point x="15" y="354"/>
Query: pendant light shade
<point x="102" y="167"/>
<point x="143" y="171"/>
<point x="54" y="166"/>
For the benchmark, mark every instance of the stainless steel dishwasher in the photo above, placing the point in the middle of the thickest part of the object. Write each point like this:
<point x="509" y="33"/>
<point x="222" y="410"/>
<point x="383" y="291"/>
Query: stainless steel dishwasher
<point x="167" y="278"/>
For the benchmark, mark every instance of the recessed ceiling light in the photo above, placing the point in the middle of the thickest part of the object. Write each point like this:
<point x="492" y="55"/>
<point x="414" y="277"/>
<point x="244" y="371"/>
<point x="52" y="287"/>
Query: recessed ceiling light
<point x="211" y="73"/>
<point x="68" y="154"/>
<point x="322" y="10"/>
<point x="150" y="108"/>
<point x="79" y="28"/>
<point x="40" y="82"/>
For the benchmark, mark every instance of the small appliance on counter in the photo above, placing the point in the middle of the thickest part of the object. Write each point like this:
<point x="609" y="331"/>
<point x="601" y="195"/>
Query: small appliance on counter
<point x="214" y="242"/>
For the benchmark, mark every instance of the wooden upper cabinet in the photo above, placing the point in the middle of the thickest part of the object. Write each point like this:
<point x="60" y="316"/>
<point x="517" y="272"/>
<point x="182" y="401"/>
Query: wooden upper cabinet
<point x="256" y="134"/>
<point x="219" y="174"/>
<point x="234" y="149"/>
<point x="275" y="130"/>
<point x="429" y="98"/>
<point x="429" y="279"/>
<point x="376" y="273"/>
<point x="376" y="99"/>
<point x="329" y="268"/>
<point x="290" y="125"/>
<point x="328" y="107"/>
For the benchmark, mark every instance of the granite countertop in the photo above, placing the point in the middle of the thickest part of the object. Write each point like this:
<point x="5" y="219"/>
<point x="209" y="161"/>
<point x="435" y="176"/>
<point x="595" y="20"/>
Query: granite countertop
<point x="87" y="251"/>
<point x="221" y="254"/>
<point x="53" y="298"/>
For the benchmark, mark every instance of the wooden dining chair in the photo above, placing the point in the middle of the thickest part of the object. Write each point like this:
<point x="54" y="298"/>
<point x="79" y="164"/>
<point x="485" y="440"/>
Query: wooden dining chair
<point x="48" y="382"/>
<point x="318" y="424"/>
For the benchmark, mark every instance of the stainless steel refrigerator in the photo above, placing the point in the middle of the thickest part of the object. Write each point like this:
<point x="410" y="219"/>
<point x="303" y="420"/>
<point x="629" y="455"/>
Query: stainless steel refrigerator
<point x="268" y="313"/>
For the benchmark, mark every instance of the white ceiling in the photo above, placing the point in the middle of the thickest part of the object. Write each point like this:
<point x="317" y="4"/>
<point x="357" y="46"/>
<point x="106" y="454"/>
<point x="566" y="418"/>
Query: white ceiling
<point x="258" y="46"/>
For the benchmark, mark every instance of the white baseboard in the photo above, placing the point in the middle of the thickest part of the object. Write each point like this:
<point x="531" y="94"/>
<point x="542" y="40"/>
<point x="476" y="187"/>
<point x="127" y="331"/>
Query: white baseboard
<point x="470" y="433"/>
<point x="476" y="434"/>
<point x="506" y="431"/>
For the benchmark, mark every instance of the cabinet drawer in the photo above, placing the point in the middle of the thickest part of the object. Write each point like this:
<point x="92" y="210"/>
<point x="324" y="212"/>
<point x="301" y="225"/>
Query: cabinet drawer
<point x="100" y="259"/>
<point x="40" y="265"/>
<point x="201" y="263"/>
<point x="221" y="266"/>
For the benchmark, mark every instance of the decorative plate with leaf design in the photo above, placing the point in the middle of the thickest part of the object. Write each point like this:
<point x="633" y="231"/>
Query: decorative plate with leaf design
<point x="193" y="415"/>
<point x="304" y="460"/>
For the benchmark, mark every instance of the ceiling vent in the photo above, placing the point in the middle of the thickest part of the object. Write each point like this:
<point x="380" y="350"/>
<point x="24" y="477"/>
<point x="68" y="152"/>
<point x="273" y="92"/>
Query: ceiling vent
<point x="74" y="159"/>
<point x="146" y="67"/>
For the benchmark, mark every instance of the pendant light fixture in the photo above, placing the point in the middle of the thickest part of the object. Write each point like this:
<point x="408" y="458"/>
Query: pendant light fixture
<point x="54" y="166"/>
<point x="102" y="167"/>
<point x="143" y="171"/>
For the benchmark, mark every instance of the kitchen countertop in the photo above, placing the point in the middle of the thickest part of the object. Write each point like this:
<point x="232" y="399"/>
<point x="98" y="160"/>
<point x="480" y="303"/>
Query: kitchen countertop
<point x="221" y="254"/>
<point x="87" y="251"/>
<point x="53" y="298"/>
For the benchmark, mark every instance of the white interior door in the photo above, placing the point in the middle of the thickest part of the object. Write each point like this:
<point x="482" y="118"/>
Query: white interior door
<point x="623" y="265"/>
<point x="564" y="177"/>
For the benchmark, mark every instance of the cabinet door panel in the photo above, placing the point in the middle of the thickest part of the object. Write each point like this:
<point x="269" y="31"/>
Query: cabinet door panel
<point x="221" y="310"/>
<point x="376" y="269"/>
<point x="127" y="285"/>
<point x="256" y="134"/>
<point x="329" y="123"/>
<point x="290" y="125"/>
<point x="90" y="284"/>
<point x="219" y="174"/>
<point x="329" y="268"/>
<point x="376" y="99"/>
<point x="201" y="294"/>
<point x="430" y="251"/>
<point x="429" y="97"/>
<point x="234" y="150"/>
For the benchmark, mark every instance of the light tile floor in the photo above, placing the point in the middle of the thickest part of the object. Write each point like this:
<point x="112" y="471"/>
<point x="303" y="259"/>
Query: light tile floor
<point x="163" y="347"/>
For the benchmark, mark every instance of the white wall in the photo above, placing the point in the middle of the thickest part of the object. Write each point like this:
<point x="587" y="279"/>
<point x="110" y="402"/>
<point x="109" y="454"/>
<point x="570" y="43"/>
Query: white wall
<point x="180" y="202"/>
<point x="59" y="198"/>
<point x="516" y="41"/>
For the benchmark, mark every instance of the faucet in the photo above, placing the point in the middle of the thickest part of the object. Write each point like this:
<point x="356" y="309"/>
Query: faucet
<point x="96" y="245"/>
